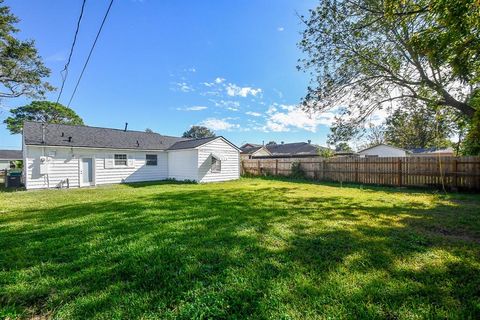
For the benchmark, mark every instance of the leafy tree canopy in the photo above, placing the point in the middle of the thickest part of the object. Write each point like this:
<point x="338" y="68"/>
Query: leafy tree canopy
<point x="148" y="130"/>
<point x="42" y="111"/>
<point x="372" y="54"/>
<point x="419" y="127"/>
<point x="21" y="68"/>
<point x="271" y="143"/>
<point x="198" y="132"/>
<point x="343" y="146"/>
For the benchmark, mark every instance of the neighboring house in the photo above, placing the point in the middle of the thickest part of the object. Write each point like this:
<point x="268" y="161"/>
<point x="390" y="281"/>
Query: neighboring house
<point x="287" y="150"/>
<point x="7" y="156"/>
<point x="433" y="152"/>
<point x="257" y="151"/>
<point x="296" y="149"/>
<point x="382" y="150"/>
<point x="250" y="145"/>
<point x="58" y="155"/>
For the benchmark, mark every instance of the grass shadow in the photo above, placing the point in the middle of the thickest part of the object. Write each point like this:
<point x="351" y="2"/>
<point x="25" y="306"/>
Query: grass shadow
<point x="254" y="248"/>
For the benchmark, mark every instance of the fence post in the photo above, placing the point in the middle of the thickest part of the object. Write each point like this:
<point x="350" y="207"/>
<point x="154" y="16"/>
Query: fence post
<point x="276" y="167"/>
<point x="323" y="169"/>
<point x="356" y="170"/>
<point x="399" y="172"/>
<point x="258" y="167"/>
<point x="455" y="173"/>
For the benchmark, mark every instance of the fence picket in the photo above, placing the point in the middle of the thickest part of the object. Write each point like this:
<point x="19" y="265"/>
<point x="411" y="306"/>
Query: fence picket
<point x="451" y="172"/>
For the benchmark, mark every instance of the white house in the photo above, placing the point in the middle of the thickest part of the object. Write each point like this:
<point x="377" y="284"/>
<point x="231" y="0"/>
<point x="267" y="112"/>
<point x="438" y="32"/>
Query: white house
<point x="383" y="150"/>
<point x="7" y="156"/>
<point x="57" y="155"/>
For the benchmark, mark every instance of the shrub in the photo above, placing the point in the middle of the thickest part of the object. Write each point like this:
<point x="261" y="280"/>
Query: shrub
<point x="297" y="171"/>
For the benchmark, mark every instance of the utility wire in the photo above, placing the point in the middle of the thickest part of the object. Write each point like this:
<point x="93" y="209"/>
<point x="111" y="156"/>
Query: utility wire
<point x="64" y="72"/>
<point x="90" y="54"/>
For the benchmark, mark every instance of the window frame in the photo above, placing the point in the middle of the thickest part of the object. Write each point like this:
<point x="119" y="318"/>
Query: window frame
<point x="215" y="165"/>
<point x="150" y="160"/>
<point x="120" y="159"/>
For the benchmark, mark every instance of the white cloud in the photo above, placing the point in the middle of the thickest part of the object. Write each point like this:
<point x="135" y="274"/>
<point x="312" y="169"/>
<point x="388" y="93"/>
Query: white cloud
<point x="280" y="29"/>
<point x="227" y="104"/>
<point x="184" y="87"/>
<point x="194" y="108"/>
<point x="219" y="80"/>
<point x="254" y="114"/>
<point x="234" y="90"/>
<point x="218" y="124"/>
<point x="282" y="118"/>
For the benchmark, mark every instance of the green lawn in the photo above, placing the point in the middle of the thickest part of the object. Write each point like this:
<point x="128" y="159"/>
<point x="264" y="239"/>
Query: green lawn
<point x="254" y="248"/>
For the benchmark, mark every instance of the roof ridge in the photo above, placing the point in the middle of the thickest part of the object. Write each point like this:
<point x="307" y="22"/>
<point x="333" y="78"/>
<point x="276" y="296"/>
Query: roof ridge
<point x="95" y="127"/>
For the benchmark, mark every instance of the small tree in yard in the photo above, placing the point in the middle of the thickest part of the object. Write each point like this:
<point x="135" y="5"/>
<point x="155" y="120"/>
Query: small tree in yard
<point x="297" y="172"/>
<point x="41" y="111"/>
<point x="198" y="132"/>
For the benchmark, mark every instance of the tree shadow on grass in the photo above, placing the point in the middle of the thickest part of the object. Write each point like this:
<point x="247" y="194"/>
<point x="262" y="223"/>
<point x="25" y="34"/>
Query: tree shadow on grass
<point x="194" y="253"/>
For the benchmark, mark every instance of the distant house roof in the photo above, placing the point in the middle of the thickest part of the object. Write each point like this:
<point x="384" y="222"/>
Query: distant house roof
<point x="252" y="150"/>
<point x="95" y="137"/>
<point x="294" y="149"/>
<point x="11" y="155"/>
<point x="431" y="150"/>
<point x="250" y="145"/>
<point x="382" y="144"/>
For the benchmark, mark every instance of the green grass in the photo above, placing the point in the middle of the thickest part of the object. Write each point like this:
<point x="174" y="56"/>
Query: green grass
<point x="254" y="248"/>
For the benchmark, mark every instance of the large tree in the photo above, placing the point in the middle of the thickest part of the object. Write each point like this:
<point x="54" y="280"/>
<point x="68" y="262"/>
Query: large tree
<point x="42" y="111"/>
<point x="21" y="68"/>
<point x="367" y="55"/>
<point x="198" y="132"/>
<point x="419" y="127"/>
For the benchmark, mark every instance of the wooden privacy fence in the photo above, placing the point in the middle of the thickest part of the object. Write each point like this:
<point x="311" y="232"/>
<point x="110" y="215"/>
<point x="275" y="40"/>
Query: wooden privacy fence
<point x="449" y="172"/>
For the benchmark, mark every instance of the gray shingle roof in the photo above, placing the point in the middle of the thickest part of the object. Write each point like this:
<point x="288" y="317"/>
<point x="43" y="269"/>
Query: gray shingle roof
<point x="294" y="149"/>
<point x="11" y="155"/>
<point x="250" y="150"/>
<point x="94" y="137"/>
<point x="192" y="143"/>
<point x="84" y="136"/>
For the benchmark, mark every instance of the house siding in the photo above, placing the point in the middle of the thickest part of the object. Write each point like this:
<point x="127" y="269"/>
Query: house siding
<point x="182" y="164"/>
<point x="230" y="168"/>
<point x="383" y="151"/>
<point x="64" y="165"/>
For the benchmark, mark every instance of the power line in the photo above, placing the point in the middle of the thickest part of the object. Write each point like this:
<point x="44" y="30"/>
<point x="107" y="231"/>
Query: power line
<point x="90" y="54"/>
<point x="64" y="72"/>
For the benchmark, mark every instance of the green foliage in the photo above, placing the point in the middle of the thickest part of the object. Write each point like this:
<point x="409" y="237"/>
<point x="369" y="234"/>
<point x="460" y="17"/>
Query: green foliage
<point x="419" y="126"/>
<point x="297" y="171"/>
<point x="148" y="130"/>
<point x="247" y="249"/>
<point x="21" y="68"/>
<point x="42" y="111"/>
<point x="198" y="132"/>
<point x="343" y="146"/>
<point x="271" y="143"/>
<point x="471" y="144"/>
<point x="326" y="152"/>
<point x="368" y="54"/>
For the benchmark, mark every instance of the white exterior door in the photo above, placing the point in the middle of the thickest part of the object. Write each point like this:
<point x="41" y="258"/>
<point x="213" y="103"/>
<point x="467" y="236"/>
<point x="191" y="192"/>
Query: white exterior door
<point x="86" y="172"/>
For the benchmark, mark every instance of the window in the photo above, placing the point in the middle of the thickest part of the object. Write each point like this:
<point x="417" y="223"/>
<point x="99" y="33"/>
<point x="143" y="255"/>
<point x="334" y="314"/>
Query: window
<point x="216" y="165"/>
<point x="151" y="159"/>
<point x="121" y="160"/>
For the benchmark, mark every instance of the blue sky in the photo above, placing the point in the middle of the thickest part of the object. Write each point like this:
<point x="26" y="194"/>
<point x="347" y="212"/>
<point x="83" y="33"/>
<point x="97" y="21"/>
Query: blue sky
<point x="167" y="65"/>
